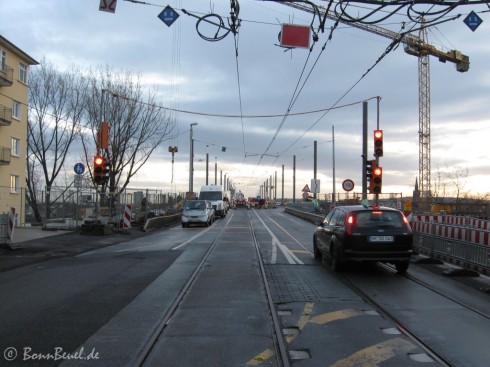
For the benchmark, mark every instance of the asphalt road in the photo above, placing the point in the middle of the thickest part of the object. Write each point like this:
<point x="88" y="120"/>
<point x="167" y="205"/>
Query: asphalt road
<point x="105" y="295"/>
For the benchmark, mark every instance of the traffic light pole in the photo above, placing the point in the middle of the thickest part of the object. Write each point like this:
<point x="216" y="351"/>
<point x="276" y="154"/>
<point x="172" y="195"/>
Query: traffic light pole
<point x="376" y="195"/>
<point x="364" y="148"/>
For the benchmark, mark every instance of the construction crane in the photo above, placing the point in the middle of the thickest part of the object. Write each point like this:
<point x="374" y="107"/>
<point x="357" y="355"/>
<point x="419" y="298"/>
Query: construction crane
<point x="416" y="46"/>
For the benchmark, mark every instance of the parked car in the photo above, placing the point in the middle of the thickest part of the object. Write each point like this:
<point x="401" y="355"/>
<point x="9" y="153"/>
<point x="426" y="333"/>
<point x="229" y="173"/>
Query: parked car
<point x="197" y="212"/>
<point x="361" y="233"/>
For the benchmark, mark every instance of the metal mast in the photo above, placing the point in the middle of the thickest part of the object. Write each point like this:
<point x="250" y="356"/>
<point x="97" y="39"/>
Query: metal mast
<point x="424" y="119"/>
<point x="416" y="46"/>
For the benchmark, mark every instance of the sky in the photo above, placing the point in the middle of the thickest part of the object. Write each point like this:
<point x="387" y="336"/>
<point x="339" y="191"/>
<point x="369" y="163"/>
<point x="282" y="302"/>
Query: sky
<point x="239" y="89"/>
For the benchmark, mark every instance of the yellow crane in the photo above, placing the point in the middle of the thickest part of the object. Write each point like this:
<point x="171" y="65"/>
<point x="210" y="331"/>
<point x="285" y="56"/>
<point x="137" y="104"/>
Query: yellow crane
<point x="416" y="46"/>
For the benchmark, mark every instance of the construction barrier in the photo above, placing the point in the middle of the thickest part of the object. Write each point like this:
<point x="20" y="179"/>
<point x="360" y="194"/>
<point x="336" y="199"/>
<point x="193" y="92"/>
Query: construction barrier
<point x="10" y="226"/>
<point x="475" y="231"/>
<point x="127" y="216"/>
<point x="462" y="241"/>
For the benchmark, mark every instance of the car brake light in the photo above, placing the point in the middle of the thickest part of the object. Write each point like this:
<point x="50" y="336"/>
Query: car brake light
<point x="350" y="224"/>
<point x="376" y="212"/>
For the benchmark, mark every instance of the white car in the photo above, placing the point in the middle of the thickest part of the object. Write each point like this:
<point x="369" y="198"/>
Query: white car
<point x="197" y="212"/>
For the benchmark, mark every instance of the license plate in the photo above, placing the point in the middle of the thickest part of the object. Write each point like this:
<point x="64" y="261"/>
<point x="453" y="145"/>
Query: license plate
<point x="380" y="239"/>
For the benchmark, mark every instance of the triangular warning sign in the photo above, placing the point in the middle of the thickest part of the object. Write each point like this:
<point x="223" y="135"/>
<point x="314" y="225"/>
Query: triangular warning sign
<point x="306" y="188"/>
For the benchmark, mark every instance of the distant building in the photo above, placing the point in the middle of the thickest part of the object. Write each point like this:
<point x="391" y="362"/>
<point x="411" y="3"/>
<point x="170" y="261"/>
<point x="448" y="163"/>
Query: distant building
<point x="14" y="93"/>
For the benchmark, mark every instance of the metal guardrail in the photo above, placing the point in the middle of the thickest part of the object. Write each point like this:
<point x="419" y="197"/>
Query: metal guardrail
<point x="462" y="253"/>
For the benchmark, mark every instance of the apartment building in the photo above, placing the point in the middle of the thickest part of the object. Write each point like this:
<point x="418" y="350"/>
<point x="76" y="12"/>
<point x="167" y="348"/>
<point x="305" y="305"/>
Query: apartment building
<point x="14" y="91"/>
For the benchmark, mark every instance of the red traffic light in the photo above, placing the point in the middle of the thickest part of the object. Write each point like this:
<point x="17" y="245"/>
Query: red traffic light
<point x="100" y="170"/>
<point x="378" y="143"/>
<point x="376" y="180"/>
<point x="98" y="161"/>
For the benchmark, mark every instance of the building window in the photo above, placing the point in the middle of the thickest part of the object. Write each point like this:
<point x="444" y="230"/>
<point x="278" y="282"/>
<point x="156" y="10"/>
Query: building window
<point x="23" y="73"/>
<point x="15" y="147"/>
<point x="3" y="59"/>
<point x="16" y="110"/>
<point x="14" y="184"/>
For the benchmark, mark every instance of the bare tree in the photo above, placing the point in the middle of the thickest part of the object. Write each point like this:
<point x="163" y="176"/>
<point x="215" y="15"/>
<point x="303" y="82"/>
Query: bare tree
<point x="439" y="187"/>
<point x="56" y="108"/>
<point x="33" y="183"/>
<point x="458" y="177"/>
<point x="137" y="124"/>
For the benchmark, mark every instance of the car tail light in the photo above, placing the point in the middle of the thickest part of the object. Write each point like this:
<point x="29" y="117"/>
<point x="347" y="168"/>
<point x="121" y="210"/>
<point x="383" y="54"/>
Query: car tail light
<point x="349" y="224"/>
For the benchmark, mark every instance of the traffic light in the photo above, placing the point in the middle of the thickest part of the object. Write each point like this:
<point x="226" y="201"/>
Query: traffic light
<point x="105" y="171"/>
<point x="101" y="170"/>
<point x="98" y="170"/>
<point x="369" y="169"/>
<point x="378" y="143"/>
<point x="376" y="180"/>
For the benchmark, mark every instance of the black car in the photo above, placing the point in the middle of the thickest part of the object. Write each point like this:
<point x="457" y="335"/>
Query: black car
<point x="362" y="233"/>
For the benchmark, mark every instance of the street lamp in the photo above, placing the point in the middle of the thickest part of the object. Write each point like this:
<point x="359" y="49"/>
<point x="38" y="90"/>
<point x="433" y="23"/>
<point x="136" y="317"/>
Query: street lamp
<point x="191" y="162"/>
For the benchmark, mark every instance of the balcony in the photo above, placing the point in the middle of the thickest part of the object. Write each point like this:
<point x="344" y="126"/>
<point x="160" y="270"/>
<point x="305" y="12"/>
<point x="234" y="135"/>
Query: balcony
<point x="5" y="116"/>
<point x="6" y="76"/>
<point x="4" y="155"/>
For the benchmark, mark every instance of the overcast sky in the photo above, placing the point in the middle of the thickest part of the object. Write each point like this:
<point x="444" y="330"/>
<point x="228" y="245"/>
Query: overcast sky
<point x="207" y="78"/>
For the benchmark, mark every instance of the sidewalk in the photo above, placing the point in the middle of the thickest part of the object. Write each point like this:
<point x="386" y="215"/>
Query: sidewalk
<point x="33" y="244"/>
<point x="22" y="234"/>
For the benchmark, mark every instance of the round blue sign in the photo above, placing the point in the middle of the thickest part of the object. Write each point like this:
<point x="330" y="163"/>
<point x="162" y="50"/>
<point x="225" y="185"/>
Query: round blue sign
<point x="79" y="168"/>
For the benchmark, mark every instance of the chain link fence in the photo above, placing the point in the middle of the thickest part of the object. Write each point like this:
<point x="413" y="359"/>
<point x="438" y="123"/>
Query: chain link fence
<point x="69" y="207"/>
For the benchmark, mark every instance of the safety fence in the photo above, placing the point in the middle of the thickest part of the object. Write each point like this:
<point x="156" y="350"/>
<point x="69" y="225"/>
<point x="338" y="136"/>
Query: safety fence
<point x="67" y="207"/>
<point x="463" y="241"/>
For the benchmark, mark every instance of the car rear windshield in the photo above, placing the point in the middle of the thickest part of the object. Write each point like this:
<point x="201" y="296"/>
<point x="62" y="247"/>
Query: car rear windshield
<point x="378" y="218"/>
<point x="195" y="205"/>
<point x="211" y="195"/>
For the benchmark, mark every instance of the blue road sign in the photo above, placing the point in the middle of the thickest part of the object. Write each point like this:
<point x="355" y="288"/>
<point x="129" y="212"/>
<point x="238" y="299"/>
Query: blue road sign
<point x="79" y="168"/>
<point x="168" y="15"/>
<point x="473" y="21"/>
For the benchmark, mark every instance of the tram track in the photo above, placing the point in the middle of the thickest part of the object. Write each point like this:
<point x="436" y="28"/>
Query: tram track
<point x="435" y="290"/>
<point x="161" y="326"/>
<point x="279" y="348"/>
<point x="403" y="328"/>
<point x="280" y="352"/>
<point x="277" y="334"/>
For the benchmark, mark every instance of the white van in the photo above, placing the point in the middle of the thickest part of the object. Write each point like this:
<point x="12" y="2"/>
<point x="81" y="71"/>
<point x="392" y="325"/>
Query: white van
<point x="215" y="194"/>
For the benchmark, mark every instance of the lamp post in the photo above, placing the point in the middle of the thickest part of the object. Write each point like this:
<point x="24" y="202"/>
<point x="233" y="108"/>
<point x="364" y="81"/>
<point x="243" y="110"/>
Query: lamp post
<point x="191" y="162"/>
<point x="215" y="170"/>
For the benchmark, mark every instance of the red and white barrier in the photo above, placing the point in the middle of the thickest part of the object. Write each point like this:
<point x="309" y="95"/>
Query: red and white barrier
<point x="472" y="230"/>
<point x="10" y="225"/>
<point x="127" y="216"/>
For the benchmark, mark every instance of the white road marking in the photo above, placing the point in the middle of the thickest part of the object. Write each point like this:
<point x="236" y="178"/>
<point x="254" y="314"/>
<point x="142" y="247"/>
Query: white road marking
<point x="290" y="257"/>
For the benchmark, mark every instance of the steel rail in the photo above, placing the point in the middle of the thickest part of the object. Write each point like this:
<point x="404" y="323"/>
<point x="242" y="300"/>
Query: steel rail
<point x="160" y="328"/>
<point x="376" y="306"/>
<point x="403" y="328"/>
<point x="279" y="341"/>
<point x="433" y="289"/>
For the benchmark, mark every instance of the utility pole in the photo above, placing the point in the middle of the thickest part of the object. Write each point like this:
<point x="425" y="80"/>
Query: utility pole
<point x="191" y="161"/>
<point x="294" y="179"/>
<point x="314" y="164"/>
<point x="364" y="148"/>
